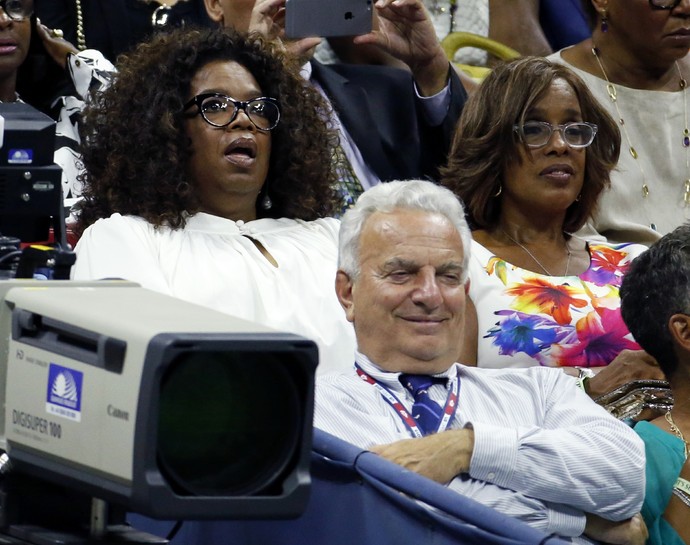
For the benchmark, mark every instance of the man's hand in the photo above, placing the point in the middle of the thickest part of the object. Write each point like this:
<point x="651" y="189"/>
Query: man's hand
<point x="626" y="532"/>
<point x="629" y="365"/>
<point x="268" y="19"/>
<point x="440" y="457"/>
<point x="406" y="32"/>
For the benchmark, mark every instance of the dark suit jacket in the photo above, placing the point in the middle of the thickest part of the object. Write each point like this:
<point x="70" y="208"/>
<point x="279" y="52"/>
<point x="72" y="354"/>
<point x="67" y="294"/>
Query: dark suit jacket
<point x="378" y="107"/>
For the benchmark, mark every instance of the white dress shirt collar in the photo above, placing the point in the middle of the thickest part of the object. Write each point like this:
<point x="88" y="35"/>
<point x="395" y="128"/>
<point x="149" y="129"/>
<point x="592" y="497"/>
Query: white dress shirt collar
<point x="392" y="379"/>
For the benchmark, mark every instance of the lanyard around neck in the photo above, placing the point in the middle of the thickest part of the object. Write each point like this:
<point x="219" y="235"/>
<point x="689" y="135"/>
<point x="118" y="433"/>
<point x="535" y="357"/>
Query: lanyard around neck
<point x="409" y="421"/>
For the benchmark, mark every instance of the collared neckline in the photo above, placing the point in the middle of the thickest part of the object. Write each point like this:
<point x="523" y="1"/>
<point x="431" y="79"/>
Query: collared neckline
<point x="392" y="379"/>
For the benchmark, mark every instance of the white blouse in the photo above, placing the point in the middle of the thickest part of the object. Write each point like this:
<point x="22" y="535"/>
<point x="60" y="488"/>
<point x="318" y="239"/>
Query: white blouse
<point x="214" y="262"/>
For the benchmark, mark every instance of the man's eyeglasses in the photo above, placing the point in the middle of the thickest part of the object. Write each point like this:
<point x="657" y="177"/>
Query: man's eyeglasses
<point x="536" y="134"/>
<point x="17" y="10"/>
<point x="664" y="4"/>
<point x="221" y="110"/>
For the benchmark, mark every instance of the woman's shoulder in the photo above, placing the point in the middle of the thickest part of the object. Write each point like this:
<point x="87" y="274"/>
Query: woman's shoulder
<point x="326" y="227"/>
<point x="577" y="57"/>
<point x="118" y="226"/>
<point x="658" y="439"/>
<point x="117" y="220"/>
<point x="480" y="244"/>
<point x="480" y="255"/>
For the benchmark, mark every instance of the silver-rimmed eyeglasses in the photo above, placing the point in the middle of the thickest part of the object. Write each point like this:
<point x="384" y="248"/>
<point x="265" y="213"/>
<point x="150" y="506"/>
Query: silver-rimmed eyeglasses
<point x="220" y="110"/>
<point x="536" y="134"/>
<point x="664" y="4"/>
<point x="17" y="10"/>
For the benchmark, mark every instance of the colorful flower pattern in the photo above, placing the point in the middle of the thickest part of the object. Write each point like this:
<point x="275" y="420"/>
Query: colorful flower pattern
<point x="551" y="320"/>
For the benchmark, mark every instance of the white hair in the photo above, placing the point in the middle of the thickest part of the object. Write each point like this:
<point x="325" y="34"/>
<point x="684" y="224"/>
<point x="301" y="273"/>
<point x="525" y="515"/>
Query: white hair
<point x="387" y="197"/>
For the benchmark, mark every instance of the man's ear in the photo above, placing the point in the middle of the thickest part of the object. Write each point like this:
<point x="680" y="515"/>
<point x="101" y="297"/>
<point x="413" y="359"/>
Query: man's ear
<point x="215" y="11"/>
<point x="679" y="326"/>
<point x="344" y="288"/>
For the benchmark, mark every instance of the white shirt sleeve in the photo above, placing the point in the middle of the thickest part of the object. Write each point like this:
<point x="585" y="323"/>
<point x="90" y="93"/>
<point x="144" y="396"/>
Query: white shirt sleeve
<point x="436" y="106"/>
<point x="578" y="455"/>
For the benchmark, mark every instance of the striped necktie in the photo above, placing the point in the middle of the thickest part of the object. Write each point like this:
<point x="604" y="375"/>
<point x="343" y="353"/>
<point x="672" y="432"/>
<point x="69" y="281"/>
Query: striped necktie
<point x="425" y="411"/>
<point x="349" y="185"/>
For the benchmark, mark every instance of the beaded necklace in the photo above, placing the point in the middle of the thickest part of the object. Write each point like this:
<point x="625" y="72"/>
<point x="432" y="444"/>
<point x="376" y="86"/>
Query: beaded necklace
<point x="81" y="37"/>
<point x="159" y="18"/>
<point x="685" y="141"/>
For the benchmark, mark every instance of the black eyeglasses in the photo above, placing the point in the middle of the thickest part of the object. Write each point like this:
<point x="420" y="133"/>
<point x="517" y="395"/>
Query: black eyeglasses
<point x="220" y="110"/>
<point x="664" y="4"/>
<point x="536" y="134"/>
<point x="17" y="10"/>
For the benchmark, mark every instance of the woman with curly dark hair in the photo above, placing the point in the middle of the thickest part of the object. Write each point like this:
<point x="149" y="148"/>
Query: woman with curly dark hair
<point x="209" y="177"/>
<point x="532" y="154"/>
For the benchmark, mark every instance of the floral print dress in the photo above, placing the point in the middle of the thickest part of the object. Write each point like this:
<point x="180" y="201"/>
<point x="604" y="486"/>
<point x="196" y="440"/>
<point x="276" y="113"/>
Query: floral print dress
<point x="526" y="318"/>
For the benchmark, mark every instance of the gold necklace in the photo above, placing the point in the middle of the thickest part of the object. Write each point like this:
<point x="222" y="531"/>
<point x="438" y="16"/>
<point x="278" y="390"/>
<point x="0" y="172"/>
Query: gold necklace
<point x="567" y="249"/>
<point x="159" y="18"/>
<point x="613" y="95"/>
<point x="675" y="429"/>
<point x="81" y="37"/>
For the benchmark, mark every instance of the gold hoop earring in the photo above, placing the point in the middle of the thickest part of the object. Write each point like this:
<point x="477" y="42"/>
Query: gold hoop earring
<point x="498" y="193"/>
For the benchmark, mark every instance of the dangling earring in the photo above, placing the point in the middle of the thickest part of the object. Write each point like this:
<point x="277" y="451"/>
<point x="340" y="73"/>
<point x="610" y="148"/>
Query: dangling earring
<point x="604" y="21"/>
<point x="266" y="202"/>
<point x="500" y="190"/>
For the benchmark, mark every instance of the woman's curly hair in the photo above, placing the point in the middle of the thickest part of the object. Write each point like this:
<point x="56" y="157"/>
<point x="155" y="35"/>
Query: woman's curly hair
<point x="485" y="141"/>
<point x="135" y="150"/>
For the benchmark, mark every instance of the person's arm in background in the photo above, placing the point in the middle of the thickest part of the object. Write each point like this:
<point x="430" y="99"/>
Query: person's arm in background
<point x="89" y="72"/>
<point x="676" y="514"/>
<point x="349" y="52"/>
<point x="516" y="24"/>
<point x="406" y="32"/>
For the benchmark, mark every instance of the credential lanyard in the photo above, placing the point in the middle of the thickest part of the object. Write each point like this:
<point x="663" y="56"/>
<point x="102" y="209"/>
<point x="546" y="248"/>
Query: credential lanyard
<point x="409" y="421"/>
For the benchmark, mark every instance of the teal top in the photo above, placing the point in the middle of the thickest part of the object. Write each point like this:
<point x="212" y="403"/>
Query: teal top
<point x="665" y="458"/>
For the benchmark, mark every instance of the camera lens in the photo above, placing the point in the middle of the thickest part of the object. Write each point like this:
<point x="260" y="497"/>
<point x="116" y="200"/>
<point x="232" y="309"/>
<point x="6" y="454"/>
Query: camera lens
<point x="229" y="422"/>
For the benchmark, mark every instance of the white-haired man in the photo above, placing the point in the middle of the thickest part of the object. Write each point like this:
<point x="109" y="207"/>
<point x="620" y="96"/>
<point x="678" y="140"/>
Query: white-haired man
<point x="526" y="442"/>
